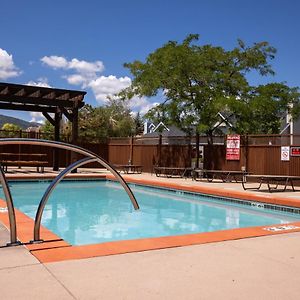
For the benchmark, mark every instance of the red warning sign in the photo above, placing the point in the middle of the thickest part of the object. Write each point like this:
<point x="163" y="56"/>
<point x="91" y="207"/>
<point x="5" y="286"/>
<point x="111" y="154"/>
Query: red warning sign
<point x="233" y="147"/>
<point x="295" y="151"/>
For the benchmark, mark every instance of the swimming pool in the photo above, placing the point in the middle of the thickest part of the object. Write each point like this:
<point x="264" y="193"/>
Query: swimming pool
<point x="90" y="212"/>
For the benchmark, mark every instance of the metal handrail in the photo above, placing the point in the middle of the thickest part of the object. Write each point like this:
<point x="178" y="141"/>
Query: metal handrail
<point x="92" y="157"/>
<point x="11" y="210"/>
<point x="54" y="183"/>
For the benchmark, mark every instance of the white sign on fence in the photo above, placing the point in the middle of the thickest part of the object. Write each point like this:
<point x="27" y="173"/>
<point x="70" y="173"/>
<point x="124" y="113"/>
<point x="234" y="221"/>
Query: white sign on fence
<point x="285" y="153"/>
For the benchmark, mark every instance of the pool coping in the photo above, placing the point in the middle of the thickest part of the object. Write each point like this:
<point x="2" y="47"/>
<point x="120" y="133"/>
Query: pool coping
<point x="55" y="249"/>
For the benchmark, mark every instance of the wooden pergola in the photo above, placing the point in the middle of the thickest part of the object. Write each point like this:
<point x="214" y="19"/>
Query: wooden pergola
<point x="47" y="101"/>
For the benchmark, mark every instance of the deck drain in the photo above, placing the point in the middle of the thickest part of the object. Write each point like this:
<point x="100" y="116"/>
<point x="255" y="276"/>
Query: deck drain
<point x="281" y="228"/>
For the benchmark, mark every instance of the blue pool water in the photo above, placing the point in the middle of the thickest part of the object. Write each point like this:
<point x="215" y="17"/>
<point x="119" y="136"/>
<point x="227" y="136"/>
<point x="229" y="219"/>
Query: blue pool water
<point x="88" y="212"/>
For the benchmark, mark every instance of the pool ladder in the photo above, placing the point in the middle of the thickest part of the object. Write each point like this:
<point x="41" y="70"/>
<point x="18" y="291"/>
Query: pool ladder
<point x="90" y="157"/>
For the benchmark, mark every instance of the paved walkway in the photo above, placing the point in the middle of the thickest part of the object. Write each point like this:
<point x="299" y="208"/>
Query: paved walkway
<point x="254" y="268"/>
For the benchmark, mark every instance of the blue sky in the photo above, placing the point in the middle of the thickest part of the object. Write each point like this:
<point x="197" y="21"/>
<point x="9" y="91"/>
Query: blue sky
<point x="82" y="45"/>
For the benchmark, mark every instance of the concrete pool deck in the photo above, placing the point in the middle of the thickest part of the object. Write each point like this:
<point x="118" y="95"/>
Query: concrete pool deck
<point x="253" y="268"/>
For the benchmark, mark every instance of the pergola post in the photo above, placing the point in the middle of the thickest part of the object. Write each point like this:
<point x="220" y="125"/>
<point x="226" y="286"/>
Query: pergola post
<point x="74" y="156"/>
<point x="48" y="101"/>
<point x="57" y="120"/>
<point x="75" y="125"/>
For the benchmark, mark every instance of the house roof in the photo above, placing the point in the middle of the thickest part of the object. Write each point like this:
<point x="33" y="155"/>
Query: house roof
<point x="173" y="131"/>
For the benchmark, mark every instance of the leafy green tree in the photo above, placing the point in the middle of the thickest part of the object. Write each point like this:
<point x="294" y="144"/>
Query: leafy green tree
<point x="120" y="118"/>
<point x="11" y="130"/>
<point x="198" y="82"/>
<point x="47" y="131"/>
<point x="111" y="120"/>
<point x="47" y="127"/>
<point x="92" y="122"/>
<point x="138" y="124"/>
<point x="11" y="127"/>
<point x="264" y="108"/>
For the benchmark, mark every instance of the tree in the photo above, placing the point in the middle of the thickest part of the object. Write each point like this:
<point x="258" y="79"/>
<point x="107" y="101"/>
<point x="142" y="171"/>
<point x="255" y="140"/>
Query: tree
<point x="92" y="122"/>
<point x="198" y="82"/>
<point x="111" y="120"/>
<point x="11" y="130"/>
<point x="138" y="124"/>
<point x="120" y="118"/>
<point x="265" y="107"/>
<point x="47" y="127"/>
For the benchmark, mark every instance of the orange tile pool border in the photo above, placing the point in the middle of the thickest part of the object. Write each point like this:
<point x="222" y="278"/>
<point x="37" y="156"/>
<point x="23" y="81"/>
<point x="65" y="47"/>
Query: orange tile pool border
<point x="55" y="249"/>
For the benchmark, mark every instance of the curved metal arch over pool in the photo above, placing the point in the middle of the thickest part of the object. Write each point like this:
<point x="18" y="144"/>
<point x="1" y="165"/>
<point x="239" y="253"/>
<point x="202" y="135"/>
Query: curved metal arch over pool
<point x="11" y="210"/>
<point x="51" y="187"/>
<point x="91" y="157"/>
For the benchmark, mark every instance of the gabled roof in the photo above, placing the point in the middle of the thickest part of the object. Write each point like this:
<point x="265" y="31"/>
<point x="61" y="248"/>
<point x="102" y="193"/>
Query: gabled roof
<point x="159" y="126"/>
<point x="173" y="131"/>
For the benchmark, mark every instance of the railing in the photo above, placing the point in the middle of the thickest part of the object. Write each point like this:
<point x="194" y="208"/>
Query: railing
<point x="11" y="210"/>
<point x="90" y="157"/>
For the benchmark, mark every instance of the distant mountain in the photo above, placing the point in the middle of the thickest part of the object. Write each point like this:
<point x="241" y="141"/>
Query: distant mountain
<point x="23" y="124"/>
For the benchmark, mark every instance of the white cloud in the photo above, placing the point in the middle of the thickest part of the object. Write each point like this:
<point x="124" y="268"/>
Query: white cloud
<point x="7" y="66"/>
<point x="141" y="104"/>
<point x="42" y="82"/>
<point x="80" y="66"/>
<point x="87" y="75"/>
<point x="78" y="79"/>
<point x="37" y="117"/>
<point x="84" y="71"/>
<point x="55" y="62"/>
<point x="107" y="86"/>
<point x="85" y="67"/>
<point x="104" y="87"/>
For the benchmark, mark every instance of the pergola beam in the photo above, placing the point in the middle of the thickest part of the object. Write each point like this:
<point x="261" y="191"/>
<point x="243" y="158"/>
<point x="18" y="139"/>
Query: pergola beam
<point x="35" y="100"/>
<point x="48" y="117"/>
<point x="24" y="107"/>
<point x="68" y="115"/>
<point x="45" y="100"/>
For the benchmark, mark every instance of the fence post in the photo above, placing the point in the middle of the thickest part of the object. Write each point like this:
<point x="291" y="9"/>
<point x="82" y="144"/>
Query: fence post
<point x="247" y="152"/>
<point x="159" y="150"/>
<point x="197" y="150"/>
<point x="131" y="151"/>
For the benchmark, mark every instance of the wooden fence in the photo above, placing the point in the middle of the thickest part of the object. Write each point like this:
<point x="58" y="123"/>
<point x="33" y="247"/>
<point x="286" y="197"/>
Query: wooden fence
<point x="64" y="157"/>
<point x="258" y="160"/>
<point x="259" y="154"/>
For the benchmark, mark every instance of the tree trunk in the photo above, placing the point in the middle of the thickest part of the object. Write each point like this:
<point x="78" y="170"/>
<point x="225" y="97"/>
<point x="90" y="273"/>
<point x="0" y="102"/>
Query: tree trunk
<point x="210" y="150"/>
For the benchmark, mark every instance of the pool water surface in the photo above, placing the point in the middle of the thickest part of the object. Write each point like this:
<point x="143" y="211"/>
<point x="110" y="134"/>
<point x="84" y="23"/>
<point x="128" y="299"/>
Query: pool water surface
<point x="97" y="211"/>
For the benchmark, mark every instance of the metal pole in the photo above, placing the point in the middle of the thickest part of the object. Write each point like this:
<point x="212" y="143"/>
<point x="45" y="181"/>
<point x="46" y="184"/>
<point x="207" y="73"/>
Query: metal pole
<point x="54" y="183"/>
<point x="76" y="149"/>
<point x="79" y="150"/>
<point x="11" y="210"/>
